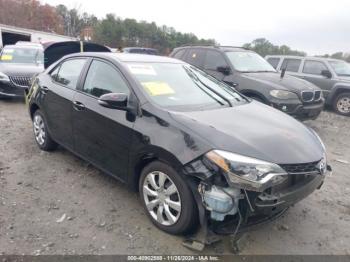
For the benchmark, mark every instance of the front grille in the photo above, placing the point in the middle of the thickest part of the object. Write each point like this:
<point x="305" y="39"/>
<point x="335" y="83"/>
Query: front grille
<point x="317" y="95"/>
<point x="22" y="81"/>
<point x="307" y="96"/>
<point x="301" y="168"/>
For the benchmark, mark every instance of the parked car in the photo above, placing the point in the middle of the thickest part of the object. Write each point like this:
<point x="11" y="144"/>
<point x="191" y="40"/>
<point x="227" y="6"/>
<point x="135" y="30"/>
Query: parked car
<point x="250" y="74"/>
<point x="331" y="75"/>
<point x="140" y="50"/>
<point x="194" y="148"/>
<point x="18" y="64"/>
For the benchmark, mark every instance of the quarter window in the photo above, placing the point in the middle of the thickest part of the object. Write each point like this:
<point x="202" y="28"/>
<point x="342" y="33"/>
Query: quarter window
<point x="195" y="57"/>
<point x="291" y="65"/>
<point x="69" y="72"/>
<point x="314" y="67"/>
<point x="54" y="73"/>
<point x="213" y="60"/>
<point x="274" y="61"/>
<point x="180" y="54"/>
<point x="102" y="79"/>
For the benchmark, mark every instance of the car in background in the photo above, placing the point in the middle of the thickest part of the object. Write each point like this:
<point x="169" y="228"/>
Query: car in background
<point x="196" y="150"/>
<point x="140" y="50"/>
<point x="18" y="64"/>
<point x="250" y="74"/>
<point x="331" y="75"/>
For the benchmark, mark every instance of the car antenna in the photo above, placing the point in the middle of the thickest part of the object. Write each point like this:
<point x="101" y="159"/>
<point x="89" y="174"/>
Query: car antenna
<point x="283" y="72"/>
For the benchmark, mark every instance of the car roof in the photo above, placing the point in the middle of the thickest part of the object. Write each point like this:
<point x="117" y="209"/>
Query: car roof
<point x="302" y="57"/>
<point x="125" y="57"/>
<point x="222" y="48"/>
<point x="139" y="48"/>
<point x="23" y="46"/>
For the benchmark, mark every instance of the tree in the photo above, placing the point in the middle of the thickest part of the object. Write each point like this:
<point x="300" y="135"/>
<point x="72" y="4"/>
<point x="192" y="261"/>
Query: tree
<point x="116" y="32"/>
<point x="264" y="47"/>
<point x="30" y="14"/>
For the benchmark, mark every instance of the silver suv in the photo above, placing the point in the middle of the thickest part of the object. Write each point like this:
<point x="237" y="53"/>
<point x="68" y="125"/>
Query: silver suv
<point x="331" y="75"/>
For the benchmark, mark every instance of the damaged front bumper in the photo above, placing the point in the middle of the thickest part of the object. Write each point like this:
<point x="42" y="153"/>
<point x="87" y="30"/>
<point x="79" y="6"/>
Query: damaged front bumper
<point x="229" y="209"/>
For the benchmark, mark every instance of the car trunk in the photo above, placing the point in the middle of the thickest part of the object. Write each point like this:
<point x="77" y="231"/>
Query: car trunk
<point x="54" y="51"/>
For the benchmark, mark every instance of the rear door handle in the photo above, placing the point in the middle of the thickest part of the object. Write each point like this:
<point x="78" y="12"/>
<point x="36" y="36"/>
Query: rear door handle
<point x="78" y="106"/>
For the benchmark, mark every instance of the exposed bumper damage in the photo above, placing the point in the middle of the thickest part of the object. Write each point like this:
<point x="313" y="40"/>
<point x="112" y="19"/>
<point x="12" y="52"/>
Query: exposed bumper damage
<point x="229" y="209"/>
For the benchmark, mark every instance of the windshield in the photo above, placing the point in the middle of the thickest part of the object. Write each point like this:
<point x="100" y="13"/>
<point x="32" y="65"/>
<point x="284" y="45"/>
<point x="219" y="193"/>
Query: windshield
<point x="249" y="62"/>
<point x="22" y="55"/>
<point x="183" y="87"/>
<point x="341" y="68"/>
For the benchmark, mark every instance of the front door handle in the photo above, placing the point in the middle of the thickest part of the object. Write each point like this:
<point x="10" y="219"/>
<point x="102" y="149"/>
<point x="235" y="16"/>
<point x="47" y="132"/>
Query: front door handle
<point x="78" y="106"/>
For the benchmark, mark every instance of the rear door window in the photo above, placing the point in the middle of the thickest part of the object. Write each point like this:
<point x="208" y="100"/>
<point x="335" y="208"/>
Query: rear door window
<point x="213" y="60"/>
<point x="291" y="64"/>
<point x="195" y="57"/>
<point x="314" y="67"/>
<point x="180" y="54"/>
<point x="274" y="61"/>
<point x="69" y="72"/>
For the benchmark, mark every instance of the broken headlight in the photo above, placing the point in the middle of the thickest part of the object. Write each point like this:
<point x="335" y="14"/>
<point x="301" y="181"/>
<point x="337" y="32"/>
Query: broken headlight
<point x="246" y="172"/>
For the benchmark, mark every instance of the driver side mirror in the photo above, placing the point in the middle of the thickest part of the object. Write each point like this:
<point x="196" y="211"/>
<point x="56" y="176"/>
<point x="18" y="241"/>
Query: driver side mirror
<point x="326" y="73"/>
<point x="226" y="70"/>
<point x="114" y="101"/>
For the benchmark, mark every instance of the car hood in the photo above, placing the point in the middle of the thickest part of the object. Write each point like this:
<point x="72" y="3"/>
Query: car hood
<point x="27" y="70"/>
<point x="255" y="130"/>
<point x="275" y="81"/>
<point x="344" y="79"/>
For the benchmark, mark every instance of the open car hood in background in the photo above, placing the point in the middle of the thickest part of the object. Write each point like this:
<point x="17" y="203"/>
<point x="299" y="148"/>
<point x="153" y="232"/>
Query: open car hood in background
<point x="54" y="51"/>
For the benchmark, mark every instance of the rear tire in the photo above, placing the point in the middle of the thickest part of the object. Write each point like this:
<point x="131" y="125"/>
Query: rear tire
<point x="341" y="104"/>
<point x="175" y="213"/>
<point x="41" y="134"/>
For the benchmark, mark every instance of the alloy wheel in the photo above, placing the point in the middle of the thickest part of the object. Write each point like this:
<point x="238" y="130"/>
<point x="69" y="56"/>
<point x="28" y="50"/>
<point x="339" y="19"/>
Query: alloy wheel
<point x="162" y="198"/>
<point x="343" y="105"/>
<point x="39" y="129"/>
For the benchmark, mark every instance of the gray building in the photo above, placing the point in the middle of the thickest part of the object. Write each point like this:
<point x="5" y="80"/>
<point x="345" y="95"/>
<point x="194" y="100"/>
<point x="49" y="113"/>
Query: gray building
<point x="11" y="35"/>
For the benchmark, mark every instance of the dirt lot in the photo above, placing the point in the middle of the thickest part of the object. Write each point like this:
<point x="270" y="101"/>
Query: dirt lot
<point x="55" y="203"/>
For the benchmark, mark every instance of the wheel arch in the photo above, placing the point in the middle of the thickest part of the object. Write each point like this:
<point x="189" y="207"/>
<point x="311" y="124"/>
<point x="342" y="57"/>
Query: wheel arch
<point x="140" y="161"/>
<point x="33" y="107"/>
<point x="336" y="91"/>
<point x="252" y="93"/>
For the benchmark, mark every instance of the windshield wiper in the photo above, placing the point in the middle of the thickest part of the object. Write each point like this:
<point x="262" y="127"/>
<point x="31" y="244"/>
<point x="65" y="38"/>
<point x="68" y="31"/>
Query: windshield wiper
<point x="194" y="78"/>
<point x="208" y="87"/>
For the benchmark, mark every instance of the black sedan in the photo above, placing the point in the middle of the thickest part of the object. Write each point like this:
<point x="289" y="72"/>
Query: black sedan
<point x="194" y="148"/>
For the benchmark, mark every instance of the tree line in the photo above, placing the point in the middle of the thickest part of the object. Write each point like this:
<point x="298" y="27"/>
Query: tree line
<point x="111" y="30"/>
<point x="264" y="47"/>
<point x="116" y="32"/>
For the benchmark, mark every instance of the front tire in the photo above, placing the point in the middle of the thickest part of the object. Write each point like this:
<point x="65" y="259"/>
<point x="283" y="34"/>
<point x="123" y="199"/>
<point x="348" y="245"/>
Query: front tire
<point x="341" y="104"/>
<point x="41" y="134"/>
<point x="167" y="199"/>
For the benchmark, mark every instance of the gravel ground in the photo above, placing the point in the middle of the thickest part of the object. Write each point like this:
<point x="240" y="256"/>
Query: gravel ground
<point x="56" y="203"/>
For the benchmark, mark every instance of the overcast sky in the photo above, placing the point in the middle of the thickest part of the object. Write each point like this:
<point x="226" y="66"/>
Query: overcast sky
<point x="314" y="26"/>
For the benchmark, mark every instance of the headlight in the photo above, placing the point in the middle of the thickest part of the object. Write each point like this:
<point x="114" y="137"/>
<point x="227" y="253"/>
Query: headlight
<point x="282" y="94"/>
<point x="246" y="172"/>
<point x="4" y="78"/>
